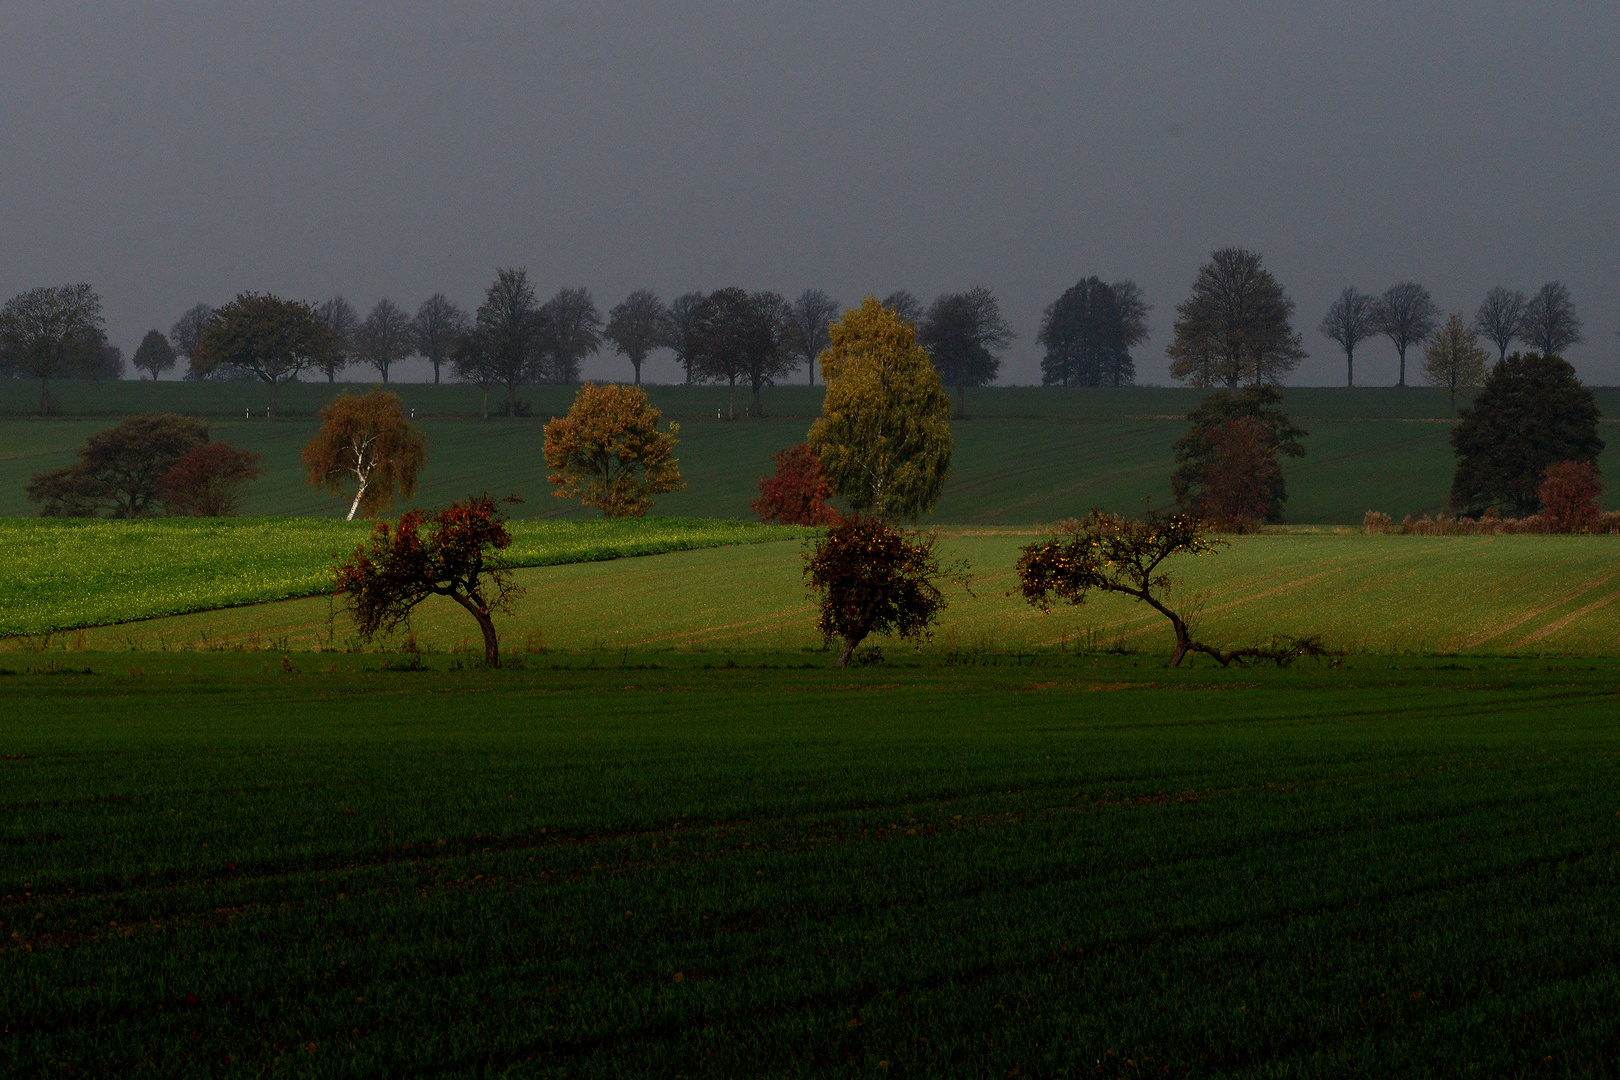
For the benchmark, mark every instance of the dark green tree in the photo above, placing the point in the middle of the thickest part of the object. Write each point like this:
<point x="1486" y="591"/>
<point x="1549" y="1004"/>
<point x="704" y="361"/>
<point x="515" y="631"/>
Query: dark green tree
<point x="570" y="330"/>
<point x="1089" y="332"/>
<point x="120" y="469"/>
<point x="965" y="334"/>
<point x="635" y="327"/>
<point x="1201" y="448"/>
<point x="270" y="338"/>
<point x="1532" y="413"/>
<point x="504" y="346"/>
<point x="736" y="335"/>
<point x="155" y="355"/>
<point x="52" y="332"/>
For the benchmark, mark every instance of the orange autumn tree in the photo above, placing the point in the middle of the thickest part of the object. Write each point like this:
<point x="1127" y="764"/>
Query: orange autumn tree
<point x="370" y="442"/>
<point x="609" y="452"/>
<point x="797" y="493"/>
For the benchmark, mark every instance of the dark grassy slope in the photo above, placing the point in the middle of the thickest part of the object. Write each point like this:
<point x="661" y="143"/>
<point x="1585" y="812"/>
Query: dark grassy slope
<point x="1027" y="456"/>
<point x="1084" y="868"/>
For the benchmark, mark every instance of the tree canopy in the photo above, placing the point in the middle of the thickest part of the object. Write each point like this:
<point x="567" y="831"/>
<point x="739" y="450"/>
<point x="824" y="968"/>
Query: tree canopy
<point x="736" y="335"/>
<point x="154" y="355"/>
<point x="437" y="324"/>
<point x="381" y="583"/>
<point x="271" y="338"/>
<point x="384" y="339"/>
<point x="1089" y="332"/>
<point x="504" y="346"/>
<point x="811" y="312"/>
<point x="1407" y="315"/>
<point x="1350" y="320"/>
<point x="570" y="329"/>
<point x="369" y="441"/>
<point x="343" y="324"/>
<point x="1454" y="359"/>
<point x="636" y="326"/>
<point x="873" y="579"/>
<point x="203" y="483"/>
<point x="964" y="334"/>
<point x="52" y="332"/>
<point x="1501" y="317"/>
<point x="1533" y="412"/>
<point x="1235" y="327"/>
<point x="1548" y="323"/>
<point x="1207" y="447"/>
<point x="609" y="452"/>
<point x="120" y="469"/>
<point x="884" y="436"/>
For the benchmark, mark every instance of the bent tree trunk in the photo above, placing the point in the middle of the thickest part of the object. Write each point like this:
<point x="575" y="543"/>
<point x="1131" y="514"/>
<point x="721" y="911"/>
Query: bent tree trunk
<point x="492" y="647"/>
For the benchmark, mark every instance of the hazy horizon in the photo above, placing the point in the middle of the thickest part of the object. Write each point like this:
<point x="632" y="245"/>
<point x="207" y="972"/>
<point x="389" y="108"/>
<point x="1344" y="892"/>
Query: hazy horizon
<point x="184" y="153"/>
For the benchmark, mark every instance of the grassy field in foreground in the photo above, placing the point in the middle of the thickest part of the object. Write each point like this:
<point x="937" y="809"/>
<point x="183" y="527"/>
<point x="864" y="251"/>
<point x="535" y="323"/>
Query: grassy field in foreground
<point x="1025" y="456"/>
<point x="1382" y="594"/>
<point x="1060" y="867"/>
<point x="58" y="575"/>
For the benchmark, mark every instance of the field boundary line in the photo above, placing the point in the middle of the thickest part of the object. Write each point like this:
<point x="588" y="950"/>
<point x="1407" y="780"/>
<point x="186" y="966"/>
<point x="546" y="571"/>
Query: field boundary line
<point x="1567" y="619"/>
<point x="1521" y="620"/>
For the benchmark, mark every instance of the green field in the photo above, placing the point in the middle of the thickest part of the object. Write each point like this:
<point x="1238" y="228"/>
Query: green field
<point x="1025" y="456"/>
<point x="1366" y="594"/>
<point x="58" y="575"/>
<point x="1059" y="866"/>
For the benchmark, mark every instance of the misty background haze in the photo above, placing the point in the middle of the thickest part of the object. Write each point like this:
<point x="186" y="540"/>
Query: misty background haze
<point x="184" y="152"/>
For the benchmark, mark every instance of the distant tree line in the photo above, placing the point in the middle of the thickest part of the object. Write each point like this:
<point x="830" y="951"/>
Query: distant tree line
<point x="1234" y="329"/>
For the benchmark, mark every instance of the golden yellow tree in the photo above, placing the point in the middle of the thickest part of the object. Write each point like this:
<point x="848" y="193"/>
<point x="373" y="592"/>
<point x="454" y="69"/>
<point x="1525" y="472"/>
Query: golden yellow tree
<point x="1454" y="359"/>
<point x="608" y="451"/>
<point x="884" y="436"/>
<point x="369" y="441"/>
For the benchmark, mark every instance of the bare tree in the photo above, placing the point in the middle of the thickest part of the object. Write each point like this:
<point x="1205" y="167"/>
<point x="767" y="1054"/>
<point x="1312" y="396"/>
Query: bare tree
<point x="571" y="330"/>
<point x="1350" y="320"/>
<point x="905" y="305"/>
<point x="187" y="331"/>
<point x="48" y="332"/>
<point x="1407" y="315"/>
<point x="504" y="346"/>
<point x="340" y="320"/>
<point x="1550" y="323"/>
<point x="384" y="339"/>
<point x="1501" y="317"/>
<point x="812" y="312"/>
<point x="678" y="323"/>
<point x="1235" y="326"/>
<point x="434" y="330"/>
<point x="635" y="327"/>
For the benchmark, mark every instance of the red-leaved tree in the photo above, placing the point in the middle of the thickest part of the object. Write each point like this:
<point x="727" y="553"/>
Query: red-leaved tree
<point x="1238" y="481"/>
<point x="460" y="557"/>
<point x="204" y="482"/>
<point x="1569" y="496"/>
<point x="798" y="493"/>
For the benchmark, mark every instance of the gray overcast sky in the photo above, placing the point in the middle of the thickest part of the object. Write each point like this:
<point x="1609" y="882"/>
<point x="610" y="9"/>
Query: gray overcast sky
<point x="170" y="153"/>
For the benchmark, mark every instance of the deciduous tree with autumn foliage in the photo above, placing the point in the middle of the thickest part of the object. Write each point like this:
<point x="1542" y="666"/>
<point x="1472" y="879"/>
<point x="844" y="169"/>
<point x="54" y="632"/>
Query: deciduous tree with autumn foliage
<point x="460" y="557"/>
<point x="609" y="452"/>
<point x="368" y="441"/>
<point x="797" y="493"/>
<point x="1569" y="494"/>
<point x="204" y="482"/>
<point x="874" y="579"/>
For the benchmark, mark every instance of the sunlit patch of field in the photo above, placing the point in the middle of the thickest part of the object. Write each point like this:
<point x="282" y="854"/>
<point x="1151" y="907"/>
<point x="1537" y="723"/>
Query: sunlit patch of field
<point x="1378" y="594"/>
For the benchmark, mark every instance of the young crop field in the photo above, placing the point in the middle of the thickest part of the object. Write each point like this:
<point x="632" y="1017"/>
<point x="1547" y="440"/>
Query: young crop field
<point x="1026" y="456"/>
<point x="1041" y="866"/>
<point x="1365" y="594"/>
<point x="62" y="574"/>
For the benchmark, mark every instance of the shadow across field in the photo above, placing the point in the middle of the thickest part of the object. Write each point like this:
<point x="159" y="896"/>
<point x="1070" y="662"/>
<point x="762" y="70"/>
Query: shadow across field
<point x="615" y="864"/>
